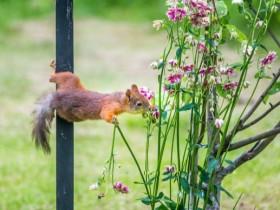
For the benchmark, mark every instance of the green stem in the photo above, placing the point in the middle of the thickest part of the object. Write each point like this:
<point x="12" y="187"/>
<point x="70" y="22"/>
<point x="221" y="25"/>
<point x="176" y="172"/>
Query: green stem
<point x="134" y="158"/>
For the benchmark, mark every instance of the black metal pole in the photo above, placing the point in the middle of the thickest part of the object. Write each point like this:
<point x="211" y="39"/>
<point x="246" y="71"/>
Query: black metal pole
<point x="64" y="130"/>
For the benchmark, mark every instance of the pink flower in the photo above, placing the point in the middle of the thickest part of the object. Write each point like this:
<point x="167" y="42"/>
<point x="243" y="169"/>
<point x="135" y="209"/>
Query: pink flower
<point x="173" y="62"/>
<point x="155" y="112"/>
<point x="169" y="169"/>
<point x="200" y="21"/>
<point x="146" y="92"/>
<point x="188" y="68"/>
<point x="200" y="6"/>
<point x="230" y="85"/>
<point x="219" y="123"/>
<point x="175" y="78"/>
<point x="120" y="187"/>
<point x="226" y="70"/>
<point x="169" y="88"/>
<point x="204" y="71"/>
<point x="201" y="47"/>
<point x="230" y="71"/>
<point x="124" y="189"/>
<point x="176" y="14"/>
<point x="267" y="60"/>
<point x="200" y="11"/>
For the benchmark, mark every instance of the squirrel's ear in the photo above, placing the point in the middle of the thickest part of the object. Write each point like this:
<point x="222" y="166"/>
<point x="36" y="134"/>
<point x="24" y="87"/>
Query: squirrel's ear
<point x="134" y="88"/>
<point x="128" y="93"/>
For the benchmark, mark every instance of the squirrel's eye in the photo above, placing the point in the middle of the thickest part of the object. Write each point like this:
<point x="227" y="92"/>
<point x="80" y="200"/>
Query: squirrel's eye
<point x="138" y="103"/>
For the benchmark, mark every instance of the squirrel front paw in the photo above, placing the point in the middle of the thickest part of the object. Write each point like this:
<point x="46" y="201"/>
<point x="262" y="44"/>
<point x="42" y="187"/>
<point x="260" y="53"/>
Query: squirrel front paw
<point x="115" y="120"/>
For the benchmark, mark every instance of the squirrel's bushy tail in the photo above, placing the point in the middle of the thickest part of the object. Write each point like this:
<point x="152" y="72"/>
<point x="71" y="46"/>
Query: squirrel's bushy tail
<point x="42" y="119"/>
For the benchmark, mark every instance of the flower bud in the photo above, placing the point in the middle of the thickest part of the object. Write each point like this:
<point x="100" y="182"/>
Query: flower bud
<point x="219" y="123"/>
<point x="158" y="24"/>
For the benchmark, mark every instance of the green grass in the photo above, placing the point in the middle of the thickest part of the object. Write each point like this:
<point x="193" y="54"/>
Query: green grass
<point x="12" y="11"/>
<point x="110" y="58"/>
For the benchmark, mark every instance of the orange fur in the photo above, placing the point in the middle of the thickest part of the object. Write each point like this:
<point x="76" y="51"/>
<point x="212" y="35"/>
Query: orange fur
<point x="74" y="103"/>
<point x="66" y="81"/>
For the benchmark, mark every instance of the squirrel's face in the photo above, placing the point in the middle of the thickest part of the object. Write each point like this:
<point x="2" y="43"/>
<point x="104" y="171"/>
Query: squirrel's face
<point x="137" y="102"/>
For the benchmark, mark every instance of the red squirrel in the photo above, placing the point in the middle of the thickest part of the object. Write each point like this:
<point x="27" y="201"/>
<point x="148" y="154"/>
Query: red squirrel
<point x="74" y="103"/>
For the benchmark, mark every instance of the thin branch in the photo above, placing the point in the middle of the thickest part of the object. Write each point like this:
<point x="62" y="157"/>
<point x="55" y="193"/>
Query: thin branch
<point x="239" y="125"/>
<point x="253" y="122"/>
<point x="262" y="96"/>
<point x="253" y="139"/>
<point x="249" y="155"/>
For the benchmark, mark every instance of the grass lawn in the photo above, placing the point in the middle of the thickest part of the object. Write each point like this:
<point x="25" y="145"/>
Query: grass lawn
<point x="108" y="56"/>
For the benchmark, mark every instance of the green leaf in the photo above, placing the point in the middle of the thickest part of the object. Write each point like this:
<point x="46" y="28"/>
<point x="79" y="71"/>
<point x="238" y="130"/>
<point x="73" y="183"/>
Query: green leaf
<point x="236" y="66"/>
<point x="136" y="182"/>
<point x="184" y="182"/>
<point x="240" y="36"/>
<point x="162" y="207"/>
<point x="170" y="203"/>
<point x="160" y="196"/>
<point x="225" y="191"/>
<point x="230" y="162"/>
<point x="262" y="75"/>
<point x="204" y="176"/>
<point x="201" y="146"/>
<point x="169" y="176"/>
<point x="274" y="89"/>
<point x="221" y="91"/>
<point x="161" y="65"/>
<point x="186" y="97"/>
<point x="179" y="53"/>
<point x="212" y="165"/>
<point x="164" y="115"/>
<point x="187" y="107"/>
<point x="151" y="180"/>
<point x="222" y="9"/>
<point x="263" y="47"/>
<point x="146" y="200"/>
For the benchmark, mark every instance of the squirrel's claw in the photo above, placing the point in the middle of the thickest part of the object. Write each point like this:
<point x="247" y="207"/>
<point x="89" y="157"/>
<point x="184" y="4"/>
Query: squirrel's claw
<point x="115" y="120"/>
<point x="53" y="64"/>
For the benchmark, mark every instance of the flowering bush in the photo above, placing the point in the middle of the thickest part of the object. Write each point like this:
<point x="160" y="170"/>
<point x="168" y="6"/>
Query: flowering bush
<point x="197" y="83"/>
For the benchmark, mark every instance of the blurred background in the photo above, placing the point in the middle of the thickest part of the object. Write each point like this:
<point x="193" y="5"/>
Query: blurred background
<point x="114" y="45"/>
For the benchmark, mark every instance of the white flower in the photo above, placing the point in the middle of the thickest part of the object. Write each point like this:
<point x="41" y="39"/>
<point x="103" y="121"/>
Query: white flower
<point x="157" y="24"/>
<point x="246" y="84"/>
<point x="223" y="69"/>
<point x="246" y="49"/>
<point x="219" y="123"/>
<point x="233" y="34"/>
<point x="259" y="23"/>
<point x="237" y="1"/>
<point x="94" y="186"/>
<point x="154" y="65"/>
<point x="171" y="2"/>
<point x="190" y="39"/>
<point x="274" y="8"/>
